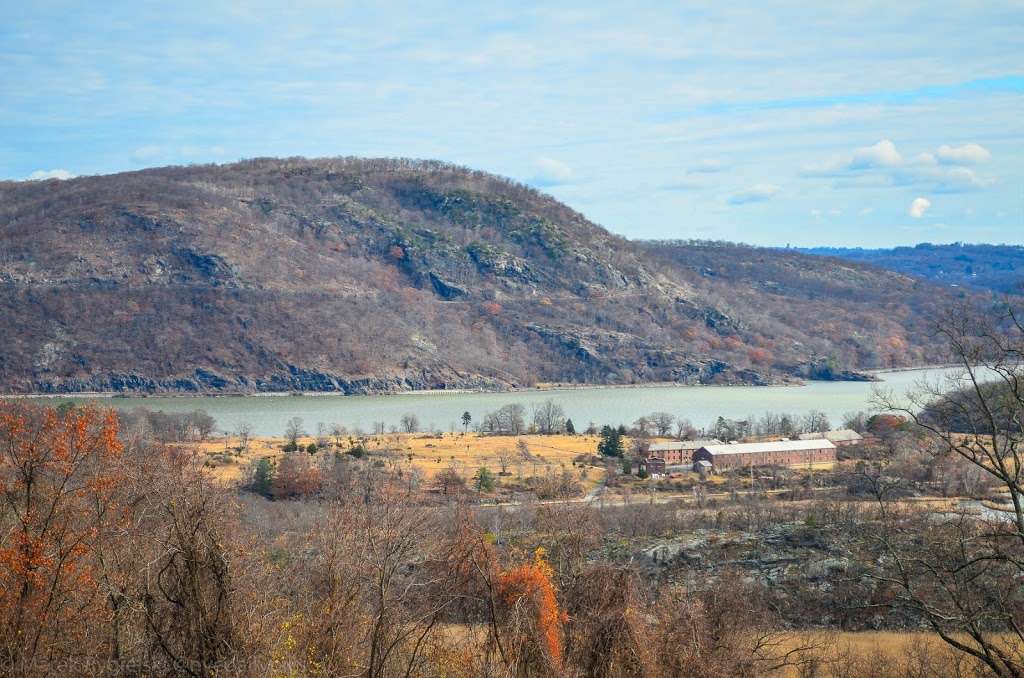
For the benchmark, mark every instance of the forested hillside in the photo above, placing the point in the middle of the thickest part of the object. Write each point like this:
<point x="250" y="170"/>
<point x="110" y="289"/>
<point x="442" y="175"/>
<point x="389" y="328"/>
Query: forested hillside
<point x="380" y="275"/>
<point x="998" y="268"/>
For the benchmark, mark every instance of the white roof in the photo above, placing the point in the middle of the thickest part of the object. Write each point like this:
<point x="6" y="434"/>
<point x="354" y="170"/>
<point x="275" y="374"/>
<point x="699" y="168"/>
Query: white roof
<point x="838" y="436"/>
<point x="682" y="445"/>
<point x="778" y="446"/>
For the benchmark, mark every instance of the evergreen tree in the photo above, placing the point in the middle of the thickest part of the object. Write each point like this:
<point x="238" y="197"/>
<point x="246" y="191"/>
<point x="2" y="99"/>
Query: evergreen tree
<point x="466" y="419"/>
<point x="263" y="478"/>
<point x="484" y="480"/>
<point x="611" y="444"/>
<point x="569" y="428"/>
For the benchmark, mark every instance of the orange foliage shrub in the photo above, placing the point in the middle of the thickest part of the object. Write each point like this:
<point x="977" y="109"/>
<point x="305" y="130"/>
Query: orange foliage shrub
<point x="760" y="356"/>
<point x="897" y="343"/>
<point x="297" y="476"/>
<point x="531" y="584"/>
<point x="59" y="484"/>
<point x="733" y="343"/>
<point x="492" y="308"/>
<point x="883" y="424"/>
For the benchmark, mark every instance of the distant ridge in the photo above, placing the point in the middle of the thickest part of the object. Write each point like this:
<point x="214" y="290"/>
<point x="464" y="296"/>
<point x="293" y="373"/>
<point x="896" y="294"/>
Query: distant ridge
<point x="375" y="275"/>
<point x="998" y="268"/>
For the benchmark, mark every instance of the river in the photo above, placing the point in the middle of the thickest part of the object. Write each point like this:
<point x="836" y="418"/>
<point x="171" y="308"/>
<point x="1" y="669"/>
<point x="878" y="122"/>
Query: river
<point x="613" y="405"/>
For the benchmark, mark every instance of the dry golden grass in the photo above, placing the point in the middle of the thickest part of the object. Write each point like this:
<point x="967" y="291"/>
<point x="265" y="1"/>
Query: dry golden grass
<point x="876" y="653"/>
<point x="467" y="452"/>
<point x="228" y="467"/>
<point x="430" y="454"/>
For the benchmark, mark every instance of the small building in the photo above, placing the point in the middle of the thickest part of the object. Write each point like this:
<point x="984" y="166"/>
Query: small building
<point x="843" y="437"/>
<point x="781" y="453"/>
<point x="677" y="451"/>
<point x="655" y="466"/>
<point x="702" y="467"/>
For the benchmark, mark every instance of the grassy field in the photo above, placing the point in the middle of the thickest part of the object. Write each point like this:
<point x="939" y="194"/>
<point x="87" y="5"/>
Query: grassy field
<point x="428" y="453"/>
<point x="431" y="454"/>
<point x="876" y="653"/>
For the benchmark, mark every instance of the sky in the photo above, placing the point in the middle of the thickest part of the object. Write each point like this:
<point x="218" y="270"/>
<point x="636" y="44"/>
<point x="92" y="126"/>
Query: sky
<point x="848" y="123"/>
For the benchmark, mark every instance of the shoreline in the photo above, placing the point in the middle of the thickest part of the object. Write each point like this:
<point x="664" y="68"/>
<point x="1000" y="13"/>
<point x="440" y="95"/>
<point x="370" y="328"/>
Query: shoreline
<point x="544" y="388"/>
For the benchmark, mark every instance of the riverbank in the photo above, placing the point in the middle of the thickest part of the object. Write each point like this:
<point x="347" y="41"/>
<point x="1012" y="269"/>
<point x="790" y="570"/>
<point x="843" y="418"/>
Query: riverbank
<point x="540" y="387"/>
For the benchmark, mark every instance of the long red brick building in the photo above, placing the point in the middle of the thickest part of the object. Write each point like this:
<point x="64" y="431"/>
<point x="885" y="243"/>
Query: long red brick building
<point x="781" y="453"/>
<point x="677" y="451"/>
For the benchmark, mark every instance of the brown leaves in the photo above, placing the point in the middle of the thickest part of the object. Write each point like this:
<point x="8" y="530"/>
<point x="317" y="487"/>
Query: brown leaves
<point x="58" y="476"/>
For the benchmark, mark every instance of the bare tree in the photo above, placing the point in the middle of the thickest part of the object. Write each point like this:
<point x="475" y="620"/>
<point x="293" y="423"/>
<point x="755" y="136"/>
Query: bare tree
<point x="338" y="432"/>
<point x="816" y="421"/>
<point x="505" y="458"/>
<point x="856" y="421"/>
<point x="643" y="426"/>
<point x="549" y="417"/>
<point x="410" y="423"/>
<point x="202" y="423"/>
<point x="244" y="432"/>
<point x="685" y="429"/>
<point x="294" y="430"/>
<point x="662" y="422"/>
<point x="959" y="574"/>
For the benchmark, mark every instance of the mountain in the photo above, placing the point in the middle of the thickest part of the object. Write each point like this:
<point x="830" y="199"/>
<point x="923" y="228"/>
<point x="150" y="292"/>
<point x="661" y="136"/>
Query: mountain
<point x="363" y="276"/>
<point x="997" y="268"/>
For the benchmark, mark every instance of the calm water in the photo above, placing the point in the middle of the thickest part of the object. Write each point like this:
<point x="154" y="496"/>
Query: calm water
<point x="443" y="411"/>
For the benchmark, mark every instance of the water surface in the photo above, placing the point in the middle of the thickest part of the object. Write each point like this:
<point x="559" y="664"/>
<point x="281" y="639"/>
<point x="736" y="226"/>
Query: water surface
<point x="443" y="410"/>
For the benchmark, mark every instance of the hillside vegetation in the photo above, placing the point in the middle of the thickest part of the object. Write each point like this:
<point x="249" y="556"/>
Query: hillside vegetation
<point x="997" y="268"/>
<point x="362" y="276"/>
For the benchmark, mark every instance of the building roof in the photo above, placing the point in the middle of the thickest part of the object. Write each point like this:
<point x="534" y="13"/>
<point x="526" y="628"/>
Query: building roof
<point x="778" y="446"/>
<point x="703" y="462"/>
<point x="682" y="445"/>
<point x="843" y="435"/>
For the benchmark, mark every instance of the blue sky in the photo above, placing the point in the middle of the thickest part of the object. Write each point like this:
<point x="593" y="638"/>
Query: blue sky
<point x="846" y="123"/>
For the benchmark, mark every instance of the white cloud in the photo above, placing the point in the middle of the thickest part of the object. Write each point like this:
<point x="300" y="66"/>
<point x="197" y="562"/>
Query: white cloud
<point x="707" y="166"/>
<point x="919" y="207"/>
<point x="756" y="193"/>
<point x="959" y="179"/>
<point x="968" y="154"/>
<point x="551" y="172"/>
<point x="882" y="165"/>
<point x="882" y="154"/>
<point x="877" y="156"/>
<point x="42" y="175"/>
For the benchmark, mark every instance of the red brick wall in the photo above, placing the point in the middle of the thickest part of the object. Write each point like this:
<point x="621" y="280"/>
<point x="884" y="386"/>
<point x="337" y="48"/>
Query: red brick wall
<point x="786" y="458"/>
<point x="671" y="456"/>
